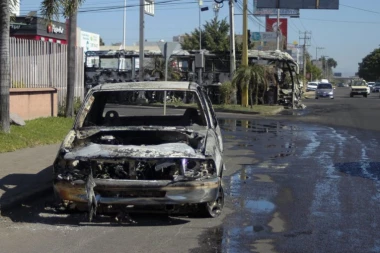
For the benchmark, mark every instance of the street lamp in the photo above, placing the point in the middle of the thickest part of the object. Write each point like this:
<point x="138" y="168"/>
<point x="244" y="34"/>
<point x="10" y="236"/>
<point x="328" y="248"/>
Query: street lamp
<point x="200" y="31"/>
<point x="200" y="38"/>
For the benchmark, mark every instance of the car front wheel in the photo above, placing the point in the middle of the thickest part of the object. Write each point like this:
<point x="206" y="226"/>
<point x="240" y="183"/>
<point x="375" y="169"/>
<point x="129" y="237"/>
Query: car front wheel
<point x="214" y="209"/>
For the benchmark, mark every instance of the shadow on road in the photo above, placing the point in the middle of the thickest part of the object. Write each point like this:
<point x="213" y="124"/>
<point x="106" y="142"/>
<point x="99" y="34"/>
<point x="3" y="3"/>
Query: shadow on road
<point x="15" y="187"/>
<point x="43" y="211"/>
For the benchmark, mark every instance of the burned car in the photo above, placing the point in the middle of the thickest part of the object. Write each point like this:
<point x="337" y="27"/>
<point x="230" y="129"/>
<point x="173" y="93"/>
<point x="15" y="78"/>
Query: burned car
<point x="143" y="146"/>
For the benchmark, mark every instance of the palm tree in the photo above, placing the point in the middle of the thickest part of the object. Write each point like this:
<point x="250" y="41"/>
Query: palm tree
<point x="5" y="81"/>
<point x="251" y="78"/>
<point x="50" y="9"/>
<point x="157" y="67"/>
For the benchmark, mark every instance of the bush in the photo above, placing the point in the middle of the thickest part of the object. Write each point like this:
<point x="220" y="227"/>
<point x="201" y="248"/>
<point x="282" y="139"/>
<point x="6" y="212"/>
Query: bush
<point x="226" y="91"/>
<point x="62" y="107"/>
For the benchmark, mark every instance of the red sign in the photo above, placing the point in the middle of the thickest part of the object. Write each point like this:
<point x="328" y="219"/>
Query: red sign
<point x="271" y="26"/>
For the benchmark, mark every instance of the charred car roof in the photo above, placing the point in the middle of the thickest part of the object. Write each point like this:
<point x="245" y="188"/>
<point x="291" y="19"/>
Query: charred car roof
<point x="156" y="85"/>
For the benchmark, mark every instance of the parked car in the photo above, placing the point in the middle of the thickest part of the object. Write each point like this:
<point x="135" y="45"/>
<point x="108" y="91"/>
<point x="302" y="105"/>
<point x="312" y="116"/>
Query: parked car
<point x="324" y="90"/>
<point x="376" y="87"/>
<point x="128" y="148"/>
<point x="311" y="86"/>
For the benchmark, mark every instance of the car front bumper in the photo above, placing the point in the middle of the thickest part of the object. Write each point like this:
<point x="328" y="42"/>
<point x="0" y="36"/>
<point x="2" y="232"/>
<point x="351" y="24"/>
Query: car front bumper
<point x="141" y="192"/>
<point x="321" y="95"/>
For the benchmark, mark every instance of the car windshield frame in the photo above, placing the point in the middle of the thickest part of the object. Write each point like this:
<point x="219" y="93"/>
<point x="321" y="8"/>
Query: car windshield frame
<point x="89" y="105"/>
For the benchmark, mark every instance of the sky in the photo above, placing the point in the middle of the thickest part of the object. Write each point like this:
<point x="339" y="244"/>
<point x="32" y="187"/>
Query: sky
<point x="347" y="34"/>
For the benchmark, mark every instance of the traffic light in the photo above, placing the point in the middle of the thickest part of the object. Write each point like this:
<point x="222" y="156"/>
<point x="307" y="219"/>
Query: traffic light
<point x="249" y="37"/>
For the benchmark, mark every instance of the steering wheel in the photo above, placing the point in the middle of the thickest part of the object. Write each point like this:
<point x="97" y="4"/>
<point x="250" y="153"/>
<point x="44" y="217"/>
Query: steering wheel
<point x="111" y="117"/>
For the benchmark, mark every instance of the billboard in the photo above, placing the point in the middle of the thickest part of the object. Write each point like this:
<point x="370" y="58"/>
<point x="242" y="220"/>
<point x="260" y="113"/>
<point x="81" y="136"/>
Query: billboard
<point x="272" y="26"/>
<point x="268" y="11"/>
<point x="89" y="41"/>
<point x="273" y="12"/>
<point x="264" y="36"/>
<point x="299" y="4"/>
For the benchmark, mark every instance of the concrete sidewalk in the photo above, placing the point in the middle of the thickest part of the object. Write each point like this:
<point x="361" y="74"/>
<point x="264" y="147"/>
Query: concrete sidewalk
<point x="25" y="173"/>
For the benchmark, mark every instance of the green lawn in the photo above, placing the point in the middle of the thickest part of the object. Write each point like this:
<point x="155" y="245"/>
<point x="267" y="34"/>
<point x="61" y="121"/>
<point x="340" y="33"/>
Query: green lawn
<point x="36" y="132"/>
<point x="256" y="109"/>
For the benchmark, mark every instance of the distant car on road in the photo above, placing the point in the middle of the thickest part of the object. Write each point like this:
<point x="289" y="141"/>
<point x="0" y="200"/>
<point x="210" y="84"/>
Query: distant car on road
<point x="360" y="88"/>
<point x="370" y="85"/>
<point x="311" y="86"/>
<point x="324" y="90"/>
<point x="376" y="87"/>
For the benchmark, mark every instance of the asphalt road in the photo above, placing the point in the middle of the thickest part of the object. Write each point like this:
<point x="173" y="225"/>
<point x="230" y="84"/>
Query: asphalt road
<point x="303" y="181"/>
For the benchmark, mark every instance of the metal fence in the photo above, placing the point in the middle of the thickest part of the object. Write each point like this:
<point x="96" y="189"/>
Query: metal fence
<point x="40" y="64"/>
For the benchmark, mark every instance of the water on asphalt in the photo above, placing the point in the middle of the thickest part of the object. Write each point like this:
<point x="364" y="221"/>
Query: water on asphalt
<point x="297" y="197"/>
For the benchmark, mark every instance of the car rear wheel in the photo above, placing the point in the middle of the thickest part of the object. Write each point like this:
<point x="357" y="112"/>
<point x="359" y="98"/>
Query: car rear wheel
<point x="213" y="209"/>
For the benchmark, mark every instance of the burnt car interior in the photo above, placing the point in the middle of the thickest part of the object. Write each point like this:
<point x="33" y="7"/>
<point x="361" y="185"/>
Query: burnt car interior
<point x="120" y="108"/>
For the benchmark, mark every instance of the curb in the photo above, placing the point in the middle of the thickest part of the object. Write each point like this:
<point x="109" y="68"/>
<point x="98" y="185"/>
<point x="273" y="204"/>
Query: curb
<point x="274" y="112"/>
<point x="18" y="199"/>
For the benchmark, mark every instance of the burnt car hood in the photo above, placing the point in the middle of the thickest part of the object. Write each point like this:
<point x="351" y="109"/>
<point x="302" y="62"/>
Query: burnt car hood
<point x="171" y="149"/>
<point x="167" y="150"/>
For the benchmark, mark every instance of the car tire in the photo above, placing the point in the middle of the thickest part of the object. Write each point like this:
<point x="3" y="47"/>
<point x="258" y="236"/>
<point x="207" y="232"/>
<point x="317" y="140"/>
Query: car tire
<point x="213" y="209"/>
<point x="351" y="95"/>
<point x="316" y="97"/>
<point x="365" y="95"/>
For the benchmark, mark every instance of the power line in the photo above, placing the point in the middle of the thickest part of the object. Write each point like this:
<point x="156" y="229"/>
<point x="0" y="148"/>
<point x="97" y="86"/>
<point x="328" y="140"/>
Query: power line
<point x="341" y="21"/>
<point x="240" y="6"/>
<point x="121" y="7"/>
<point x="302" y="24"/>
<point x="357" y="8"/>
<point x="291" y="21"/>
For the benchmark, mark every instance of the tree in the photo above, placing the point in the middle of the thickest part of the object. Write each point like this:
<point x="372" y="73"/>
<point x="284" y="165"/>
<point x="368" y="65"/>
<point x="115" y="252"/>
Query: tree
<point x="252" y="77"/>
<point x="157" y="67"/>
<point x="215" y="37"/>
<point x="5" y="80"/>
<point x="101" y="42"/>
<point x="328" y="65"/>
<point x="50" y="9"/>
<point x="315" y="72"/>
<point x="370" y="66"/>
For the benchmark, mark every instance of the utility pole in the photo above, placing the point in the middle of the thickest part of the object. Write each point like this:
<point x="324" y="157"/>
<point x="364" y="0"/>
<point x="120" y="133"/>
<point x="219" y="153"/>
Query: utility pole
<point x="124" y="22"/>
<point x="141" y="41"/>
<point x="244" y="58"/>
<point x="232" y="39"/>
<point x="306" y="42"/>
<point x="278" y="29"/>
